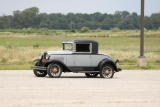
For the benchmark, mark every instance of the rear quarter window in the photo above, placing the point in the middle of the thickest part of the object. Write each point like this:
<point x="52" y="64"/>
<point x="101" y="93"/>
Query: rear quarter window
<point x="83" y="47"/>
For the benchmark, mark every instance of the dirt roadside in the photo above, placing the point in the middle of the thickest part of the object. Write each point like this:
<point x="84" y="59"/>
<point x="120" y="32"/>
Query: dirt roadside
<point x="128" y="88"/>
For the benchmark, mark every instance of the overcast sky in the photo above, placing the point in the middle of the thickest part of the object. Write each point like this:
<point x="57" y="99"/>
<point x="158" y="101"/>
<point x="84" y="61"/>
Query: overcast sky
<point x="79" y="6"/>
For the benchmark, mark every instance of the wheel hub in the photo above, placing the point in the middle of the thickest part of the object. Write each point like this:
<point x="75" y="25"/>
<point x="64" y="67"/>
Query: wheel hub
<point x="54" y="70"/>
<point x="106" y="72"/>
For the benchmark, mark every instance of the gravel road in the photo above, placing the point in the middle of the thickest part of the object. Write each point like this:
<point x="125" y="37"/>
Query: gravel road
<point x="137" y="88"/>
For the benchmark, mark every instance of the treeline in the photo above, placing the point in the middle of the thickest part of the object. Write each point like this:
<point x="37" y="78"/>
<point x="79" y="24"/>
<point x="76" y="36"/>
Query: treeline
<point x="31" y="18"/>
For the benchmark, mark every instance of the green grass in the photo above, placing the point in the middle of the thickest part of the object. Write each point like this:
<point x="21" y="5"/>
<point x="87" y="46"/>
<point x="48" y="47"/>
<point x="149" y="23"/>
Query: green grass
<point x="15" y="66"/>
<point x="123" y="45"/>
<point x="29" y="41"/>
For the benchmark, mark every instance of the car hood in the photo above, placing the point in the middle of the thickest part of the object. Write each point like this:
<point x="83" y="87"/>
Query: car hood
<point x="59" y="52"/>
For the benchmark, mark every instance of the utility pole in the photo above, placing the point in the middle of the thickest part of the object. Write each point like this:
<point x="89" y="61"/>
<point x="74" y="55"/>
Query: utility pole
<point x="142" y="29"/>
<point x="142" y="61"/>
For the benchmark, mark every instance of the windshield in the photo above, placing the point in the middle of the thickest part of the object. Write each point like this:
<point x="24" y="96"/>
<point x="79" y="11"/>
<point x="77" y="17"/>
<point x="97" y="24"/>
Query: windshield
<point x="67" y="46"/>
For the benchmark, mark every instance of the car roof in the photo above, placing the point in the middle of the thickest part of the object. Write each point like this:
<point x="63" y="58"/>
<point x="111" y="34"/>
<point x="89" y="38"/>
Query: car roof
<point x="80" y="41"/>
<point x="94" y="44"/>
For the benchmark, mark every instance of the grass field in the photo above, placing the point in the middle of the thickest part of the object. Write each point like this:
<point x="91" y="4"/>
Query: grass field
<point x="18" y="48"/>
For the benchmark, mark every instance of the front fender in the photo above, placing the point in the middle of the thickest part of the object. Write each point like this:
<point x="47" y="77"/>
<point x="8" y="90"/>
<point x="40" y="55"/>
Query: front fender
<point x="107" y="61"/>
<point x="59" y="62"/>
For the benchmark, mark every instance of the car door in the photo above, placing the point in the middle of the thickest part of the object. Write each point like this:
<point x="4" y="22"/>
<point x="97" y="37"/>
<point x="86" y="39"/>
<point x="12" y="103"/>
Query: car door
<point x="82" y="60"/>
<point x="70" y="60"/>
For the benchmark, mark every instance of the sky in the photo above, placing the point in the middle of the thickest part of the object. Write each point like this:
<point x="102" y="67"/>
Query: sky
<point x="79" y="6"/>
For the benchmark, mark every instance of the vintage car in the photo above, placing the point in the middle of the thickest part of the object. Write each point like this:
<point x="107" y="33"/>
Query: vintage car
<point x="77" y="56"/>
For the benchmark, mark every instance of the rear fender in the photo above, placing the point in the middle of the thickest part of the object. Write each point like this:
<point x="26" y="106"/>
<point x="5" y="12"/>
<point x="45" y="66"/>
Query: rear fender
<point x="107" y="61"/>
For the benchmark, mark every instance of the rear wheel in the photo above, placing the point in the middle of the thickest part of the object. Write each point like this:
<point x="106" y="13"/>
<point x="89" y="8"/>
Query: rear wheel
<point x="107" y="71"/>
<point x="91" y="74"/>
<point x="39" y="73"/>
<point x="54" y="70"/>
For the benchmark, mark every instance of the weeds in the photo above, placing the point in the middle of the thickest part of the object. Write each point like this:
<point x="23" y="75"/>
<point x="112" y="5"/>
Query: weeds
<point x="35" y="46"/>
<point x="9" y="45"/>
<point x="21" y="54"/>
<point x="5" y="59"/>
<point x="131" y="56"/>
<point x="27" y="54"/>
<point x="115" y="29"/>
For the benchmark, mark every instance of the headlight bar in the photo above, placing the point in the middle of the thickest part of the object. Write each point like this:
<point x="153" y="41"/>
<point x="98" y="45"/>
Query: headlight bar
<point x="46" y="56"/>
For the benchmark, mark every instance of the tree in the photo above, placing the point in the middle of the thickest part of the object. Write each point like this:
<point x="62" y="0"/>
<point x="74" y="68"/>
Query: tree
<point x="31" y="18"/>
<point x="148" y="22"/>
<point x="26" y="18"/>
<point x="2" y="24"/>
<point x="43" y="20"/>
<point x="155" y="18"/>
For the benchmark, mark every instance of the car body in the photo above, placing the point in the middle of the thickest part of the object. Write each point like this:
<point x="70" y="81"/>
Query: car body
<point x="78" y="56"/>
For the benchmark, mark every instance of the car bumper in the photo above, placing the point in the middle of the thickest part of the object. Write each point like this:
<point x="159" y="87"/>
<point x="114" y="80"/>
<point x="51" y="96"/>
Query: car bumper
<point x="38" y="68"/>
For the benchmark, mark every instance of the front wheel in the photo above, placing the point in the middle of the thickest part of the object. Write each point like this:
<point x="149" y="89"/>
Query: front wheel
<point x="54" y="70"/>
<point x="107" y="71"/>
<point x="40" y="73"/>
<point x="91" y="74"/>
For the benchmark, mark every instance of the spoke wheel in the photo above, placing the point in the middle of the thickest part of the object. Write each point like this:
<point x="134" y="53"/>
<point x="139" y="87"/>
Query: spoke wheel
<point x="54" y="70"/>
<point x="107" y="71"/>
<point x="91" y="74"/>
<point x="40" y="73"/>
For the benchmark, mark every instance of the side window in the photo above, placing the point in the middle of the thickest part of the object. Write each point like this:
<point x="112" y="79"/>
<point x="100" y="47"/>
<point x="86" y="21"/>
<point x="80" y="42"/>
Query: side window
<point x="83" y="48"/>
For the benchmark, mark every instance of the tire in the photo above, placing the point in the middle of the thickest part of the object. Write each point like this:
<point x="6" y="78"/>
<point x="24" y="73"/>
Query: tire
<point x="91" y="74"/>
<point x="54" y="70"/>
<point x="107" y="71"/>
<point x="40" y="73"/>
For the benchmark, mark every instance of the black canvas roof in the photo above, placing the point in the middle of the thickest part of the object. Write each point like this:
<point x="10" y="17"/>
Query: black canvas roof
<point x="81" y="41"/>
<point x="85" y="41"/>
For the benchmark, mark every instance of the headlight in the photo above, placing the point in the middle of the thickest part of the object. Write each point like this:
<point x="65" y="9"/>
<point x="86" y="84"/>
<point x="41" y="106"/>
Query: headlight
<point x="47" y="56"/>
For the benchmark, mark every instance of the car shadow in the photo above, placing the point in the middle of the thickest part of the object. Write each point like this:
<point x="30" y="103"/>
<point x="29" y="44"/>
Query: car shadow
<point x="80" y="77"/>
<point x="74" y="77"/>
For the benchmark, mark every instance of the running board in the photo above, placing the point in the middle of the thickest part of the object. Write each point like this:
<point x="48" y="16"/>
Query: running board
<point x="86" y="72"/>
